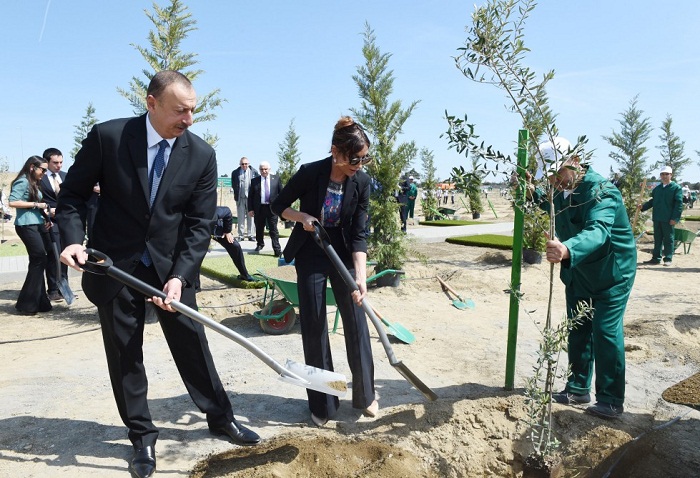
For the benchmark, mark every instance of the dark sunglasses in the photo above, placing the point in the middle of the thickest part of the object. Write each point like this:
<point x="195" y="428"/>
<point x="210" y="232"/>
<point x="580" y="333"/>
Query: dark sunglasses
<point x="43" y="169"/>
<point x="364" y="160"/>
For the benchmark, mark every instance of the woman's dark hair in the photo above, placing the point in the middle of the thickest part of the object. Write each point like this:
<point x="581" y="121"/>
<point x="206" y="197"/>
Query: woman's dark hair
<point x="32" y="163"/>
<point x="349" y="137"/>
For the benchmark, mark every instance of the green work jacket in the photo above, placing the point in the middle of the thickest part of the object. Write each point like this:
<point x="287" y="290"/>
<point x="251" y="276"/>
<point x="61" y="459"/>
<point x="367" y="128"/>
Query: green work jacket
<point x="666" y="201"/>
<point x="593" y="224"/>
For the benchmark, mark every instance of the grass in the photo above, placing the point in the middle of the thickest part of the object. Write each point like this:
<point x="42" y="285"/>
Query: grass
<point x="495" y="241"/>
<point x="12" y="247"/>
<point x="221" y="268"/>
<point x="691" y="218"/>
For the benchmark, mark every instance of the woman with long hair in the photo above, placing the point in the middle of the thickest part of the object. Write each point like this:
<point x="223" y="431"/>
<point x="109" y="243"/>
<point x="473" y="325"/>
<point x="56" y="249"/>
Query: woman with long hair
<point x="33" y="230"/>
<point x="335" y="192"/>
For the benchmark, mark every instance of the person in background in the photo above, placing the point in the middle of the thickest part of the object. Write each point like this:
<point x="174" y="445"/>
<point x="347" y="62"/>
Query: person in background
<point x="263" y="190"/>
<point x="222" y="234"/>
<point x="335" y="193"/>
<point x="412" y="194"/>
<point x="32" y="229"/>
<point x="157" y="205"/>
<point x="50" y="186"/>
<point x="667" y="202"/>
<point x="240" y="181"/>
<point x="5" y="207"/>
<point x="595" y="248"/>
<point x="402" y="199"/>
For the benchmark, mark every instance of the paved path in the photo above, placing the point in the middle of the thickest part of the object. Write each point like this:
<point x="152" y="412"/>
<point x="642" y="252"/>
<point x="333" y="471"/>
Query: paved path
<point x="14" y="268"/>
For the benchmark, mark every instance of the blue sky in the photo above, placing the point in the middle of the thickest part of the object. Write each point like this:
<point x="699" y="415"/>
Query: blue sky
<point x="275" y="61"/>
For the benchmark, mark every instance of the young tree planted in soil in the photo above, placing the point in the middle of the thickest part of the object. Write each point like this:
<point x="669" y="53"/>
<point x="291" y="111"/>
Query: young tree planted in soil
<point x="630" y="155"/>
<point x="672" y="149"/>
<point x="172" y="25"/>
<point x="495" y="45"/>
<point x="429" y="183"/>
<point x="81" y="130"/>
<point x="383" y="121"/>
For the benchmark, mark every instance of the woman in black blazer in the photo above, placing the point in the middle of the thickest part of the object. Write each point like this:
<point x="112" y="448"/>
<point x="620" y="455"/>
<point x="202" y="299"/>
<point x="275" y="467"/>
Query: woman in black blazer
<point x="335" y="192"/>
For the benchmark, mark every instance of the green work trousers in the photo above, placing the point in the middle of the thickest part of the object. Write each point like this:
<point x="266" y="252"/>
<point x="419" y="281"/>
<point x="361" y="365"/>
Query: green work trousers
<point x="598" y="340"/>
<point x="663" y="235"/>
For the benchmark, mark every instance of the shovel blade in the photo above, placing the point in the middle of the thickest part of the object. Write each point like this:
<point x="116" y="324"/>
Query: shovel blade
<point x="415" y="381"/>
<point x="65" y="291"/>
<point x="400" y="332"/>
<point x="324" y="381"/>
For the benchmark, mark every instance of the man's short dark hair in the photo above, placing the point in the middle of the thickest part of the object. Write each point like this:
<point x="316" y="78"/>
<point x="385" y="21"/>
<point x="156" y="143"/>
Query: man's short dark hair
<point x="163" y="79"/>
<point x="51" y="152"/>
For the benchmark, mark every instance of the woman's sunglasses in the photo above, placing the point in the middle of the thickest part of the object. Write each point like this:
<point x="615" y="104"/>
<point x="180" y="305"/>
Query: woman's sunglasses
<point x="364" y="160"/>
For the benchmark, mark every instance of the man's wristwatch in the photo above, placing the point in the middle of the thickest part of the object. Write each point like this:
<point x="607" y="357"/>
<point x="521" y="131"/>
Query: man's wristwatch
<point x="180" y="278"/>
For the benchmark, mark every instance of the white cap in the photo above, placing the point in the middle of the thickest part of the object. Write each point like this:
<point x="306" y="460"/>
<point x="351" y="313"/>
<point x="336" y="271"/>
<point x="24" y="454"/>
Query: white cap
<point x="667" y="169"/>
<point x="553" y="156"/>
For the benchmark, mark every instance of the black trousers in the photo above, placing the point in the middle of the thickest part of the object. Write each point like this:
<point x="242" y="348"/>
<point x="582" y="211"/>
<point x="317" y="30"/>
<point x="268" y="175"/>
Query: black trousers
<point x="52" y="278"/>
<point x="122" y="322"/>
<point x="263" y="217"/>
<point x="313" y="268"/>
<point x="236" y="253"/>
<point x="32" y="297"/>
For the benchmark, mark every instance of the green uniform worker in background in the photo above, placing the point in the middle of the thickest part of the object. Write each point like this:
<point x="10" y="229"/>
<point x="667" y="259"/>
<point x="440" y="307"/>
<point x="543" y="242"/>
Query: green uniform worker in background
<point x="596" y="249"/>
<point x="667" y="201"/>
<point x="412" y="193"/>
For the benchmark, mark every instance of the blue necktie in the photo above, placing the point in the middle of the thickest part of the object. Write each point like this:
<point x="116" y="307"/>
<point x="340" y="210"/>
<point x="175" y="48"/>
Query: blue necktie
<point x="153" y="183"/>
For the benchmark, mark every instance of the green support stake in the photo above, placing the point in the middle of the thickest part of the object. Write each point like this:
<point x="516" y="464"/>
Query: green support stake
<point x="517" y="261"/>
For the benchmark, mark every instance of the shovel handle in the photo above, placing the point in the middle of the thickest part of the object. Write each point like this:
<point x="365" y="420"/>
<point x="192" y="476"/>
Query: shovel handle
<point x="103" y="265"/>
<point x="445" y="286"/>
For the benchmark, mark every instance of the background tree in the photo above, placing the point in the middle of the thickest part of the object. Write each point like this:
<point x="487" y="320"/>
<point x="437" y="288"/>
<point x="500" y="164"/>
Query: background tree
<point x="172" y="25"/>
<point x="672" y="149"/>
<point x="81" y="130"/>
<point x="288" y="155"/>
<point x="428" y="183"/>
<point x="383" y="121"/>
<point x="630" y="154"/>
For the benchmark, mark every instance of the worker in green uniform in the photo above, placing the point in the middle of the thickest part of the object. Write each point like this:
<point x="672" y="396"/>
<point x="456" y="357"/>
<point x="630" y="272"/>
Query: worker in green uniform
<point x="595" y="247"/>
<point x="412" y="193"/>
<point x="667" y="202"/>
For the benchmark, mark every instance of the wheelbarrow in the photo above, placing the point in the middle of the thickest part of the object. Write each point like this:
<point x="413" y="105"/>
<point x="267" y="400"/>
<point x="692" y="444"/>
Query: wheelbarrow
<point x="685" y="237"/>
<point x="278" y="316"/>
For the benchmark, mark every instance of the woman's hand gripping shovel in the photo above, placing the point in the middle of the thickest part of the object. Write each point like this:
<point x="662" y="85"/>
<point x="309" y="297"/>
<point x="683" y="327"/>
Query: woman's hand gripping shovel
<point x="295" y="373"/>
<point x="321" y="237"/>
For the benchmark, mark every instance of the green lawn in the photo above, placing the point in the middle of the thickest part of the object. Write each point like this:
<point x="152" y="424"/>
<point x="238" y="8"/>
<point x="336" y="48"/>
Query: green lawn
<point x="221" y="268"/>
<point x="495" y="241"/>
<point x="12" y="247"/>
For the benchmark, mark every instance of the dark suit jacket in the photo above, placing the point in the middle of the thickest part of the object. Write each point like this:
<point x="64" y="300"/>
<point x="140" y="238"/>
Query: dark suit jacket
<point x="309" y="185"/>
<point x="235" y="182"/>
<point x="224" y="221"/>
<point x="254" y="193"/>
<point x="49" y="196"/>
<point x="176" y="231"/>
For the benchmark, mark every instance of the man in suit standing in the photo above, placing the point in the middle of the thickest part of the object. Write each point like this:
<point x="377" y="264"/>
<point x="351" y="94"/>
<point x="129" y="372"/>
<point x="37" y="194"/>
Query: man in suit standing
<point x="263" y="190"/>
<point x="50" y="186"/>
<point x="241" y="177"/>
<point x="156" y="210"/>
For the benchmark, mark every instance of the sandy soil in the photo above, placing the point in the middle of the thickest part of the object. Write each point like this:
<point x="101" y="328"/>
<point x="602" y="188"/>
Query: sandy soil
<point x="58" y="418"/>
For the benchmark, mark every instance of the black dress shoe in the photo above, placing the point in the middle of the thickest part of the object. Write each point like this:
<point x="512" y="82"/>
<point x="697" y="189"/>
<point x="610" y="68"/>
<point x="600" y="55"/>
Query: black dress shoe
<point x="143" y="464"/>
<point x="258" y="248"/>
<point x="278" y="253"/>
<point x="238" y="434"/>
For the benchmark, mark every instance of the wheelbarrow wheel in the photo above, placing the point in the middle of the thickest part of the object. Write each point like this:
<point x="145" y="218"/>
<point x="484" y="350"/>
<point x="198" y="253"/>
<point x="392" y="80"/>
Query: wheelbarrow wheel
<point x="280" y="326"/>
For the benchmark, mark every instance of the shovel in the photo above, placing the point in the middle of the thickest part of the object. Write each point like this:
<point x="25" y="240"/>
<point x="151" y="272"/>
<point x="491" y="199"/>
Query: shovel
<point x="460" y="303"/>
<point x="295" y="373"/>
<point x="396" y="329"/>
<point x="321" y="237"/>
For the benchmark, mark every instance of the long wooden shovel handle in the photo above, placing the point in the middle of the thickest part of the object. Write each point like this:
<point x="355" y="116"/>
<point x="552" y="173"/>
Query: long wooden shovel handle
<point x="444" y="285"/>
<point x="636" y="210"/>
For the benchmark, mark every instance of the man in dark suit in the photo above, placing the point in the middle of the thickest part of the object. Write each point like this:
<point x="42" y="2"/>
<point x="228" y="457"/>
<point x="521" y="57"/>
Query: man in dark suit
<point x="263" y="190"/>
<point x="241" y="177"/>
<point x="156" y="210"/>
<point x="50" y="186"/>
<point x="222" y="234"/>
